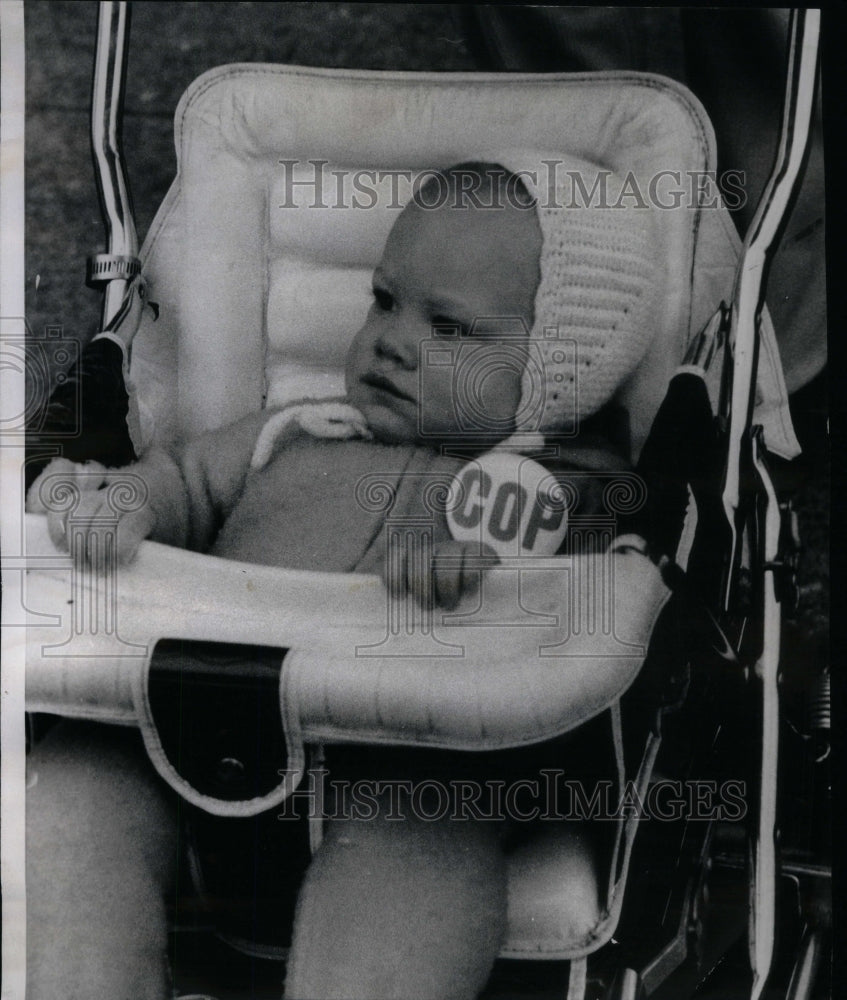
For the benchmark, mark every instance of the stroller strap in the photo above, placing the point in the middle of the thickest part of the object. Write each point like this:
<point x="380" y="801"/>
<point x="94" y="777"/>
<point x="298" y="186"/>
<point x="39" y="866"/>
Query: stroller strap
<point x="212" y="727"/>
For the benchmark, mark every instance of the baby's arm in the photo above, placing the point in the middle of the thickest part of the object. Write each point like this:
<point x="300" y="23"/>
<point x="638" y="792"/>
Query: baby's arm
<point x="185" y="493"/>
<point x="212" y="469"/>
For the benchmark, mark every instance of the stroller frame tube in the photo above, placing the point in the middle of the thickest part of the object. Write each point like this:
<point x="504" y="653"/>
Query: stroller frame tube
<point x="759" y="245"/>
<point x="120" y="264"/>
<point x="748" y="300"/>
<point x="763" y="854"/>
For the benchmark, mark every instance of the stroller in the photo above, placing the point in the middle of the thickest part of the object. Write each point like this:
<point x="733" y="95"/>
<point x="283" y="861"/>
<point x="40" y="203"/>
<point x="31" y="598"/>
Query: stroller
<point x="273" y="317"/>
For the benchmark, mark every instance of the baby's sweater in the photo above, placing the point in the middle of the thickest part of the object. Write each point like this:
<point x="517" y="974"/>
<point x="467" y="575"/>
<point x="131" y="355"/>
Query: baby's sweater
<point x="322" y="504"/>
<point x="316" y="504"/>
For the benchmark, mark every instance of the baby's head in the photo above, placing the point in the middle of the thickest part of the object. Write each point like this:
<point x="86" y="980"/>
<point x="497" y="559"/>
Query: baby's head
<point x="481" y="293"/>
<point x="449" y="262"/>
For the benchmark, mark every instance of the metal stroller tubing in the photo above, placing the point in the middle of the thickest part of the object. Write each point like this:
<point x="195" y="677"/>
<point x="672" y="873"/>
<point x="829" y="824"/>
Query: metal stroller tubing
<point x="759" y="246"/>
<point x="745" y="451"/>
<point x="120" y="264"/>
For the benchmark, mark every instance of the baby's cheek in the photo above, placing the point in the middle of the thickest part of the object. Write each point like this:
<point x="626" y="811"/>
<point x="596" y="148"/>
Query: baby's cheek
<point x="359" y="353"/>
<point x="439" y="393"/>
<point x="502" y="393"/>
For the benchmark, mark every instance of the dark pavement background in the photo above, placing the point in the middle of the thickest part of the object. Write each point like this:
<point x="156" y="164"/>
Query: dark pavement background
<point x="171" y="44"/>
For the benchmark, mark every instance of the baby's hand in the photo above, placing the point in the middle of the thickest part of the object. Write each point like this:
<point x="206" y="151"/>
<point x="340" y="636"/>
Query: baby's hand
<point x="97" y="501"/>
<point x="454" y="571"/>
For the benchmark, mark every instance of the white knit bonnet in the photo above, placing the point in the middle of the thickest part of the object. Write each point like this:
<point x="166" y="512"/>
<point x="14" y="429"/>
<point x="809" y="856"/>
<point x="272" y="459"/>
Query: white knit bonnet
<point x="593" y="315"/>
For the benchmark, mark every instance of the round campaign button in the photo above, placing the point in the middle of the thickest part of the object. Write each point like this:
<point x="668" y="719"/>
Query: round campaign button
<point x="511" y="503"/>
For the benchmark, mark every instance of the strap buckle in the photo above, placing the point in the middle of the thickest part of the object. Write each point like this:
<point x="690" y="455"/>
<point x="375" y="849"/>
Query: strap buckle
<point x="103" y="267"/>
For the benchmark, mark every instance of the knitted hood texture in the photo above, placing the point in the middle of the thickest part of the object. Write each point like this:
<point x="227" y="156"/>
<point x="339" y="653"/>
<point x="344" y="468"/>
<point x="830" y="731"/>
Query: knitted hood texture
<point x="592" y="322"/>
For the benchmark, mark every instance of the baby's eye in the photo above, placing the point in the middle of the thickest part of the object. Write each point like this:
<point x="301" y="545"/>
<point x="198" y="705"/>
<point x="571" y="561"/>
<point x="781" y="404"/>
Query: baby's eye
<point x="446" y="326"/>
<point x="384" y="299"/>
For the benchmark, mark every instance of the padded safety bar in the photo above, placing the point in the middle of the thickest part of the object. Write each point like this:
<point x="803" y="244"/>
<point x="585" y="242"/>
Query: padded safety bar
<point x="549" y="644"/>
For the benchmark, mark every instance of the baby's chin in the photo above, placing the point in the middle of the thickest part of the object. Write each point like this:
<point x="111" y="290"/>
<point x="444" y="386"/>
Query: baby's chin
<point x="387" y="426"/>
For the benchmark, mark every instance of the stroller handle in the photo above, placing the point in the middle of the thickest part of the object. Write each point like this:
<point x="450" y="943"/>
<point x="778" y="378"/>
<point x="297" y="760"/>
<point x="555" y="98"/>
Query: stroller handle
<point x="120" y="264"/>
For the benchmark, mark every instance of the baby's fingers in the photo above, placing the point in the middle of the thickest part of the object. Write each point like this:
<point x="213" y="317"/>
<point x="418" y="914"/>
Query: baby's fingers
<point x="133" y="528"/>
<point x="57" y="491"/>
<point x="56" y="529"/>
<point x="407" y="574"/>
<point x="447" y="573"/>
<point x="59" y="481"/>
<point x="97" y="535"/>
<point x="87" y="529"/>
<point x="457" y="571"/>
<point x="418" y="575"/>
<point x="101" y="535"/>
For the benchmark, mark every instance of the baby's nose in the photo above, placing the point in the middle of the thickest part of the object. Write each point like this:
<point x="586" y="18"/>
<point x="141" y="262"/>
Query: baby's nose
<point x="401" y="344"/>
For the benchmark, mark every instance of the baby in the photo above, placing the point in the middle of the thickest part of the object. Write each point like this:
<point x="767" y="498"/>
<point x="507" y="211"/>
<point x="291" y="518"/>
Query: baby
<point x="388" y="909"/>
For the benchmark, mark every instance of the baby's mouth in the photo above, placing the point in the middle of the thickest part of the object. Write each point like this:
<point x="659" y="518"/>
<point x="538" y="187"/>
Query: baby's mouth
<point x="378" y="381"/>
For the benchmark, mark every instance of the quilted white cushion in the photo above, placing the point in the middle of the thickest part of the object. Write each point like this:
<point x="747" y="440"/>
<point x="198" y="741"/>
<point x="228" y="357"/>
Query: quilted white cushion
<point x="262" y="279"/>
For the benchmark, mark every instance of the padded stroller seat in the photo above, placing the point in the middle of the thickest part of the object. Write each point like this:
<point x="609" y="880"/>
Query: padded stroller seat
<point x="555" y="898"/>
<point x="261" y="285"/>
<point x="262" y="279"/>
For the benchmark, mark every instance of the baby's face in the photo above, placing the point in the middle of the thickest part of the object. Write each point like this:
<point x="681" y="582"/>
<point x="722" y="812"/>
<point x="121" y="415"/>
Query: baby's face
<point x="444" y="268"/>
